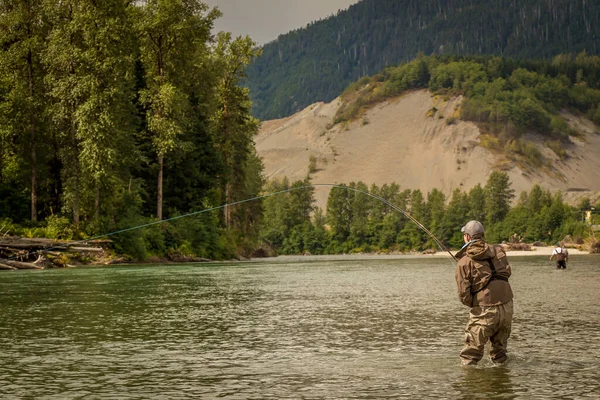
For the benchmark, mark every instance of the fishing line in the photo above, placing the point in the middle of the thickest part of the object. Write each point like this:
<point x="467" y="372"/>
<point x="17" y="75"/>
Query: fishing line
<point x="314" y="185"/>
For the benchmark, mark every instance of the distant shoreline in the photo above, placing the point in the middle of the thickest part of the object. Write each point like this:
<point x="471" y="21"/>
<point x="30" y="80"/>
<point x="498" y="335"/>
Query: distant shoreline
<point x="535" y="251"/>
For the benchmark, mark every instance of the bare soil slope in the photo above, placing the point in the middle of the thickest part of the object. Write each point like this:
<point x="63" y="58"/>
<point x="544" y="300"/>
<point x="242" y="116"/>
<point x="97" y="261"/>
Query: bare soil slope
<point x="409" y="141"/>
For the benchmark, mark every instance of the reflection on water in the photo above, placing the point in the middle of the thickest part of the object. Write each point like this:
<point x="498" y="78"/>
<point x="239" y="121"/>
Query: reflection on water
<point x="485" y="383"/>
<point x="314" y="329"/>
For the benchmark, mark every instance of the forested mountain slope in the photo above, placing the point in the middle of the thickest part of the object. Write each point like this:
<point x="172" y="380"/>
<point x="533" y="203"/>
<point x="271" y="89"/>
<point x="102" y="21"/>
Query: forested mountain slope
<point x="318" y="62"/>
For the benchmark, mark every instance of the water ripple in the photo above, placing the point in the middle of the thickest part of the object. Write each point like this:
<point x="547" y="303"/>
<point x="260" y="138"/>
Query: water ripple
<point x="311" y="330"/>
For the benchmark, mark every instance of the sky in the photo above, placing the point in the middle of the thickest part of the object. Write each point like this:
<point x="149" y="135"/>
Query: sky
<point x="264" y="20"/>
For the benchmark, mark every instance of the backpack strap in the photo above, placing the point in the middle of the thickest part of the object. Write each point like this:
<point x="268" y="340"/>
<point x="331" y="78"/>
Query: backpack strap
<point x="494" y="276"/>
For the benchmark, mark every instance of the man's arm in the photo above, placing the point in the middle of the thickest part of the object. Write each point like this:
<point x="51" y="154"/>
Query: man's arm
<point x="463" y="283"/>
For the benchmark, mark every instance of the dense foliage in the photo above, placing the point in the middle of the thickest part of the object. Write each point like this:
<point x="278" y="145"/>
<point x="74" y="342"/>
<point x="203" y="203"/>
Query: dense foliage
<point x="118" y="113"/>
<point x="316" y="63"/>
<point x="359" y="220"/>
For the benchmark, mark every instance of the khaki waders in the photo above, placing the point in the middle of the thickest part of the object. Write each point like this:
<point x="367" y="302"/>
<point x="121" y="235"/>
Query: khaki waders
<point x="491" y="323"/>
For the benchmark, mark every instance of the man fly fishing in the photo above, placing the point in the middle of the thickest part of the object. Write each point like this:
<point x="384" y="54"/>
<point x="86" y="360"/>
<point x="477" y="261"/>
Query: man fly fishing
<point x="482" y="276"/>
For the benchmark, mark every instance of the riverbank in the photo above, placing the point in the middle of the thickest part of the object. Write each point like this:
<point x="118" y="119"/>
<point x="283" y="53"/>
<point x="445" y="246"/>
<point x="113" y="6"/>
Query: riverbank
<point x="535" y="251"/>
<point x="105" y="258"/>
<point x="543" y="251"/>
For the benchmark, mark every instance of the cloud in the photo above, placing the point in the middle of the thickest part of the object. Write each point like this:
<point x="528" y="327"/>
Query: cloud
<point x="264" y="20"/>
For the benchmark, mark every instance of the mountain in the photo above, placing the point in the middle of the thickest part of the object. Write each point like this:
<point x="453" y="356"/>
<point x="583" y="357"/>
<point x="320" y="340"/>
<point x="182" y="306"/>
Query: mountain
<point x="316" y="63"/>
<point x="401" y="140"/>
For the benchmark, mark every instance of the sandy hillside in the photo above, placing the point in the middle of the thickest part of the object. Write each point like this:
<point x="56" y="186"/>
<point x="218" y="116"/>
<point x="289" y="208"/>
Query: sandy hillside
<point x="404" y="141"/>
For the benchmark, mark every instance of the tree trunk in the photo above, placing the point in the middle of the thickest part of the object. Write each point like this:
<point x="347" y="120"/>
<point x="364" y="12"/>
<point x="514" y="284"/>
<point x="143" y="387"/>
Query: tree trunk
<point x="159" y="196"/>
<point x="76" y="172"/>
<point x="1" y="158"/>
<point x="97" y="203"/>
<point x="76" y="208"/>
<point x="226" y="210"/>
<point x="33" y="140"/>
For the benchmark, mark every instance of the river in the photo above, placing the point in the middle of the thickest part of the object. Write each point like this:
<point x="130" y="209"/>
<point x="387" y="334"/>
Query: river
<point x="294" y="328"/>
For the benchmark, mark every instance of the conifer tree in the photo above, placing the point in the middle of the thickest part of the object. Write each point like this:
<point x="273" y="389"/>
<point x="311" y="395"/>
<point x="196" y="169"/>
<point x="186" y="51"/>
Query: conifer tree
<point x="456" y="217"/>
<point x="498" y="197"/>
<point x="477" y="203"/>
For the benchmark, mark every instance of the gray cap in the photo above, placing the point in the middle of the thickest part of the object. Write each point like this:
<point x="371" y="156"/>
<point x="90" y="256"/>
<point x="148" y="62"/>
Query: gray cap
<point x="473" y="228"/>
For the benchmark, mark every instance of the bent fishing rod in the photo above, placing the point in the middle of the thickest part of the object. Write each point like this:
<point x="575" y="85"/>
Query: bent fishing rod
<point x="309" y="186"/>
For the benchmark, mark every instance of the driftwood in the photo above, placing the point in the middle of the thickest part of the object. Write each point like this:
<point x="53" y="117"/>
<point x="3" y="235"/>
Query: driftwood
<point x="6" y="267"/>
<point x="85" y="249"/>
<point x="41" y="243"/>
<point x="21" y="265"/>
<point x="20" y="253"/>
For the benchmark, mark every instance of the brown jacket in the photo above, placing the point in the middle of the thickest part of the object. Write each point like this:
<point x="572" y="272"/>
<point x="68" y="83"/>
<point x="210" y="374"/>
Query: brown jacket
<point x="473" y="275"/>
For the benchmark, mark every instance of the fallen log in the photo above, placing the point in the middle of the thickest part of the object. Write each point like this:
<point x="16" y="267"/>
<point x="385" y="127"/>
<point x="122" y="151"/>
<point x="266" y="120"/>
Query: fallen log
<point x="6" y="267"/>
<point x="20" y="265"/>
<point x="86" y="249"/>
<point x="29" y="246"/>
<point x="43" y="243"/>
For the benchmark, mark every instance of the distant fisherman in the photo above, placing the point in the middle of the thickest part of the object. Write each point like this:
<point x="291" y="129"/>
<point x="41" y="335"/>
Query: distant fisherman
<point x="562" y="256"/>
<point x="482" y="276"/>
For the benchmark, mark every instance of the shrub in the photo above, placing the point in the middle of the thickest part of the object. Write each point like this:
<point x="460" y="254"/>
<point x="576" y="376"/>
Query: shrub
<point x="526" y="149"/>
<point x="557" y="148"/>
<point x="59" y="228"/>
<point x="312" y="164"/>
<point x="490" y="142"/>
<point x="431" y="112"/>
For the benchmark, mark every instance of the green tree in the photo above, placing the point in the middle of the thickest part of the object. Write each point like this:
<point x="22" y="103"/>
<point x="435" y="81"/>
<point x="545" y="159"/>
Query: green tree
<point x="232" y="123"/>
<point x="393" y="221"/>
<point x="538" y="199"/>
<point x="23" y="31"/>
<point x="89" y="45"/>
<point x="173" y="35"/>
<point x="377" y="214"/>
<point x="276" y="223"/>
<point x="411" y="237"/>
<point x="361" y="208"/>
<point x="498" y="197"/>
<point x="436" y="204"/>
<point x="287" y="216"/>
<point x="477" y="203"/>
<point x="555" y="215"/>
<point x="456" y="216"/>
<point x="339" y="214"/>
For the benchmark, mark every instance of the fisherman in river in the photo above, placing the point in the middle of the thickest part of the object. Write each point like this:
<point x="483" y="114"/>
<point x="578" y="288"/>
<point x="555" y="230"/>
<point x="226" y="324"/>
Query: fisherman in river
<point x="482" y="276"/>
<point x="562" y="255"/>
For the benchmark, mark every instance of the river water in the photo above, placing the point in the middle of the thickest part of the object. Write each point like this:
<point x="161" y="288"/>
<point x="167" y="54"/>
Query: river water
<point x="292" y="328"/>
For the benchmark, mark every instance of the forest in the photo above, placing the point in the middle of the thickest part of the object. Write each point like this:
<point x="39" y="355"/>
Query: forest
<point x="317" y="62"/>
<point x="357" y="219"/>
<point x="118" y="113"/>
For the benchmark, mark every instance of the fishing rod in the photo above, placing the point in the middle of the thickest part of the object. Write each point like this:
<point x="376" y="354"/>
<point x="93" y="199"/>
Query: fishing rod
<point x="313" y="185"/>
